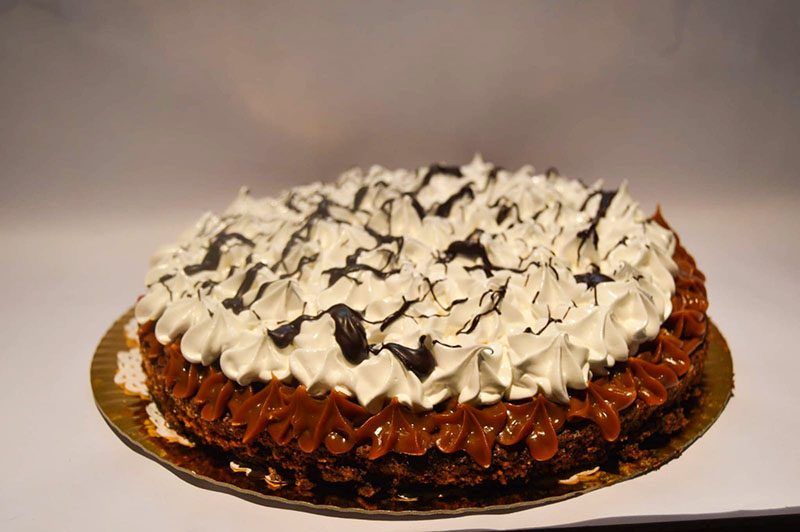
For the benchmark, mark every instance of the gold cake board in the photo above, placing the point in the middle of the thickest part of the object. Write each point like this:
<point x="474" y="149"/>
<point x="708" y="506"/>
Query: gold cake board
<point x="126" y="414"/>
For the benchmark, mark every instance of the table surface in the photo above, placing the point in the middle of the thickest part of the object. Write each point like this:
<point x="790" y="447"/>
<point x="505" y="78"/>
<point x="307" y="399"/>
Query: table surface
<point x="113" y="150"/>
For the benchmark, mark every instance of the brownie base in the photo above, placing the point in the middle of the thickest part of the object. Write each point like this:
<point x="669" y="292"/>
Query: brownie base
<point x="580" y="446"/>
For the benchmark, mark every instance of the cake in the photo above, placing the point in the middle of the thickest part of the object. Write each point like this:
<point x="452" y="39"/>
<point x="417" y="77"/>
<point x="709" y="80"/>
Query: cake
<point x="447" y="328"/>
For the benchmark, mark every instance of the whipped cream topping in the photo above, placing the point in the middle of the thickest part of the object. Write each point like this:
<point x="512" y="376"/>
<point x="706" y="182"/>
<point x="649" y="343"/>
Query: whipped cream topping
<point x="470" y="282"/>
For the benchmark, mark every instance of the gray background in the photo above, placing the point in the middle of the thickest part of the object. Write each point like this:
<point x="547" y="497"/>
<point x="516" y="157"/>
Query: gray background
<point x="141" y="99"/>
<point x="121" y="121"/>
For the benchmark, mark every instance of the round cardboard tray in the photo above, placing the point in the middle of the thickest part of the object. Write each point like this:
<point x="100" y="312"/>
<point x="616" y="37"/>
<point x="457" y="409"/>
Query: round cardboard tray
<point x="126" y="415"/>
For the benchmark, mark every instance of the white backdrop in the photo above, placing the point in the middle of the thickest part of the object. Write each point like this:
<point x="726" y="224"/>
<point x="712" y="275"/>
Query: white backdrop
<point x="120" y="122"/>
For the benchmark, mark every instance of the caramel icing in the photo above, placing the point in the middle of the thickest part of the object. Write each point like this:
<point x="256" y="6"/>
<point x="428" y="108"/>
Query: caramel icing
<point x="314" y="422"/>
<point x="536" y="422"/>
<point x="470" y="429"/>
<point x="652" y="381"/>
<point x="289" y="413"/>
<point x="257" y="409"/>
<point x="603" y="401"/>
<point x="396" y="429"/>
<point x="214" y="394"/>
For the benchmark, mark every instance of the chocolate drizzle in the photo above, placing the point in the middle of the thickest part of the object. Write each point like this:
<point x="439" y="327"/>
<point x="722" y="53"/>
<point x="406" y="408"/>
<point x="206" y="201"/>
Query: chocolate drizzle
<point x="445" y="208"/>
<point x="606" y="196"/>
<point x="353" y="266"/>
<point x="505" y="207"/>
<point x="399" y="313"/>
<point x="235" y="303"/>
<point x="211" y="259"/>
<point x="471" y="248"/>
<point x="496" y="297"/>
<point x="303" y="234"/>
<point x="437" y="169"/>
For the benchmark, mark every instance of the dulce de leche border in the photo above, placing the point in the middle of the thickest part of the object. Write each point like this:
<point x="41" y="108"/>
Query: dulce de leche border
<point x="127" y="417"/>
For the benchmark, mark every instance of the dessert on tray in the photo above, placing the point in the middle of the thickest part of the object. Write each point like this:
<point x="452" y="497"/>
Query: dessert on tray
<point x="449" y="327"/>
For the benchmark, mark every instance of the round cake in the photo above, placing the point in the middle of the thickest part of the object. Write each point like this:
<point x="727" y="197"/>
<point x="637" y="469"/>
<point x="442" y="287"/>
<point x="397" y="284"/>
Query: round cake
<point x="445" y="328"/>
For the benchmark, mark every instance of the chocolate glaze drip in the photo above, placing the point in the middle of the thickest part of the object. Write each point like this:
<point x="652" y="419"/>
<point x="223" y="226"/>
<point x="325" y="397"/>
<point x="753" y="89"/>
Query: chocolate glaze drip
<point x="593" y="278"/>
<point x="420" y="361"/>
<point x="300" y="264"/>
<point x="622" y="242"/>
<point x="359" y="197"/>
<point x="351" y="337"/>
<point x="473" y="249"/>
<point x="211" y="259"/>
<point x="550" y="319"/>
<point x="491" y="177"/>
<point x="349" y="333"/>
<point x="468" y="248"/>
<point x="282" y="336"/>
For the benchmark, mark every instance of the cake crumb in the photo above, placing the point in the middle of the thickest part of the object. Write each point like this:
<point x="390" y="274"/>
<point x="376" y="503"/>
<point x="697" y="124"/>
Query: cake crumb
<point x="274" y="480"/>
<point x="579" y="477"/>
<point x="237" y="468"/>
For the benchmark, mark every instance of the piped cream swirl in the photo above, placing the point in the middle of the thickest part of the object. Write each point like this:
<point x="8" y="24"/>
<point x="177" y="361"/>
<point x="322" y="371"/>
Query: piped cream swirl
<point x="515" y="283"/>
